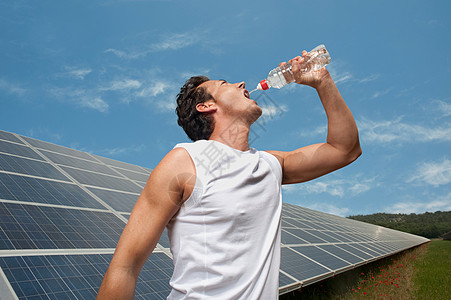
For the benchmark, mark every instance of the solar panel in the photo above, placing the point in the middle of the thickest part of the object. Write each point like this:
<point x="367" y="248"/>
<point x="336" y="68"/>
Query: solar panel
<point x="79" y="276"/>
<point x="62" y="212"/>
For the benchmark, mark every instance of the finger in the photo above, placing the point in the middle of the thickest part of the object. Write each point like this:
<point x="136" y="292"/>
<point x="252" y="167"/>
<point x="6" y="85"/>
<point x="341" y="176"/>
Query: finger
<point x="295" y="67"/>
<point x="282" y="63"/>
<point x="298" y="58"/>
<point x="304" y="53"/>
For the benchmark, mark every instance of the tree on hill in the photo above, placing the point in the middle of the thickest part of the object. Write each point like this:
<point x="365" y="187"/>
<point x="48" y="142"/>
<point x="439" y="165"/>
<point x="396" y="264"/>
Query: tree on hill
<point x="429" y="225"/>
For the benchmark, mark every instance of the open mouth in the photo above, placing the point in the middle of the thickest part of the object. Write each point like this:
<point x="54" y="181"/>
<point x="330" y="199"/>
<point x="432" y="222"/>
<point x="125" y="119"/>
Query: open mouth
<point x="246" y="94"/>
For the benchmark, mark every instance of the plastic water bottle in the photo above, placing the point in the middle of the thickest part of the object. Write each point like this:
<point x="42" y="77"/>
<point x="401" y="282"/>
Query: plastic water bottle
<point x="281" y="76"/>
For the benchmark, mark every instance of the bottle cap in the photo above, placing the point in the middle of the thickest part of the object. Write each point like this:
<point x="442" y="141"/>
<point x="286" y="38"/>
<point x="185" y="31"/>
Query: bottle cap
<point x="263" y="85"/>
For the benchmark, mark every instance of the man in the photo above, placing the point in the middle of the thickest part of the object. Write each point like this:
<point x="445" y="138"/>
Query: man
<point x="221" y="199"/>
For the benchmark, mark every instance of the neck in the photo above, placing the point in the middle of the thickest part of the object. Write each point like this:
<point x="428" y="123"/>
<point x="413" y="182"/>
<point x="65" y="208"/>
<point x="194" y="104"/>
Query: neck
<point x="233" y="134"/>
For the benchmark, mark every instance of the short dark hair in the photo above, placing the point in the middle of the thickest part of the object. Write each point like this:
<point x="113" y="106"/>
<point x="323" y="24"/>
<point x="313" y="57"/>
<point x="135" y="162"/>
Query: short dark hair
<point x="197" y="125"/>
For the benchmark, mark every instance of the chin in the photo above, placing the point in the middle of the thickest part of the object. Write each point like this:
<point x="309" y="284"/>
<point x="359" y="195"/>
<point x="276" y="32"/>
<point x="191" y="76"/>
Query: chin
<point x="255" y="114"/>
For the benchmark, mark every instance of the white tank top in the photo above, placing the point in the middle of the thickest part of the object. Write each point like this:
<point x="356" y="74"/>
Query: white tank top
<point x="225" y="239"/>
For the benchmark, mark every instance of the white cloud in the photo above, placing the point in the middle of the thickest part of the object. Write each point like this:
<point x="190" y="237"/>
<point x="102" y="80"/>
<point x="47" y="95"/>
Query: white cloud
<point x="338" y="187"/>
<point x="360" y="187"/>
<point x="372" y="77"/>
<point x="125" y="84"/>
<point x="168" y="106"/>
<point x="78" y="73"/>
<point x="94" y="103"/>
<point x="339" y="76"/>
<point x="11" y="88"/>
<point x="271" y="112"/>
<point x="81" y="97"/>
<point x="397" y="131"/>
<point x="155" y="88"/>
<point x="444" y="107"/>
<point x="123" y="54"/>
<point x="176" y="41"/>
<point x="44" y="134"/>
<point x="320" y="130"/>
<point x="112" y="152"/>
<point x="329" y="209"/>
<point x="380" y="93"/>
<point x="433" y="173"/>
<point x="442" y="204"/>
<point x="142" y="87"/>
<point x="187" y="74"/>
<point x="173" y="41"/>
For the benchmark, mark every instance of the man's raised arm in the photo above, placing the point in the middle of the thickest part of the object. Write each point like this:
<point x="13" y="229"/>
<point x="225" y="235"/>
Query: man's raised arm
<point x="169" y="184"/>
<point x="342" y="146"/>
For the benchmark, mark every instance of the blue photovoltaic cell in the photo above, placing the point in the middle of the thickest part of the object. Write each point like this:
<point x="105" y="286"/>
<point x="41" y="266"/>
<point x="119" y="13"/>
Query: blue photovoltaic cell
<point x="341" y="253"/>
<point x="324" y="258"/>
<point x="20" y="150"/>
<point x="122" y="202"/>
<point x="120" y="164"/>
<point x="354" y="251"/>
<point x="297" y="223"/>
<point x="300" y="267"/>
<point x="133" y="175"/>
<point x="59" y="149"/>
<point x="15" y="187"/>
<point x="9" y="137"/>
<point x="324" y="235"/>
<point x="338" y="236"/>
<point x="289" y="239"/>
<point x="80" y="276"/>
<point x="95" y="179"/>
<point x="30" y="167"/>
<point x="303" y="234"/>
<point x="376" y="248"/>
<point x="353" y="237"/>
<point x="36" y="227"/>
<point x="365" y="250"/>
<point x="285" y="224"/>
<point x="284" y="280"/>
<point x="79" y="163"/>
<point x="389" y="246"/>
<point x="316" y="225"/>
<point x="164" y="239"/>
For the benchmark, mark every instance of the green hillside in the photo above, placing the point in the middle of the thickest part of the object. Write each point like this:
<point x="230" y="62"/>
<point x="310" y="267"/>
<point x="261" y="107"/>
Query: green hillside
<point x="429" y="225"/>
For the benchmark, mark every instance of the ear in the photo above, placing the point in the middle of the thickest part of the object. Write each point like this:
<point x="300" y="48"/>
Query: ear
<point x="206" y="107"/>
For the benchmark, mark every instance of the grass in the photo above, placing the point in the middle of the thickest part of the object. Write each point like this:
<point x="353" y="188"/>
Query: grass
<point x="420" y="273"/>
<point x="433" y="272"/>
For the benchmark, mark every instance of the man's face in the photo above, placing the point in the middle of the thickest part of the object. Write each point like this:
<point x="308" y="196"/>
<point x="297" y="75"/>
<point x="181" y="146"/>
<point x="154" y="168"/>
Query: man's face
<point x="232" y="99"/>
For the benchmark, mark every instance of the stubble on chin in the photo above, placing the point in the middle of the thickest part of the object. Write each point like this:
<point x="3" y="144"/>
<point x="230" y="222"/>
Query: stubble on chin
<point x="254" y="113"/>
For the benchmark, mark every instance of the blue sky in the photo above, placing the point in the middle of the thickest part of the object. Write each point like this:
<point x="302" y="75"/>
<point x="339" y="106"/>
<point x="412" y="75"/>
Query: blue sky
<point x="102" y="76"/>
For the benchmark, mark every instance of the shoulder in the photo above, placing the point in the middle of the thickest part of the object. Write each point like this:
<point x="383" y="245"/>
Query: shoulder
<point x="175" y="173"/>
<point x="176" y="160"/>
<point x="279" y="155"/>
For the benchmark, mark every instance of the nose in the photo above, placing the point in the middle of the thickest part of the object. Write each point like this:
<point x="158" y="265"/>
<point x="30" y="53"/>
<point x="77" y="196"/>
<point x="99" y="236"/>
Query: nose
<point x="241" y="84"/>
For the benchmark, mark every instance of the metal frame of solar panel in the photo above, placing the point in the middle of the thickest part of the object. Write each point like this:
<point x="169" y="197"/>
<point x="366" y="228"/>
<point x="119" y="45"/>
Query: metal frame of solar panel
<point x="62" y="212"/>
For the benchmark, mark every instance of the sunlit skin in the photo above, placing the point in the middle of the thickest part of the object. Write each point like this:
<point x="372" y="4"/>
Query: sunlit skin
<point x="172" y="181"/>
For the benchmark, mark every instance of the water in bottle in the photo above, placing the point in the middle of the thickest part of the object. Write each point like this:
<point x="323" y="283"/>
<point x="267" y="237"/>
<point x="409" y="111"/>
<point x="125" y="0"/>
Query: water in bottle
<point x="281" y="76"/>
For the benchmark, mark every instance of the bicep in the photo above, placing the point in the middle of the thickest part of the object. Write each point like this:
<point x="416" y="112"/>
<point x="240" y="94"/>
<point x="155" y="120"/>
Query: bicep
<point x="310" y="162"/>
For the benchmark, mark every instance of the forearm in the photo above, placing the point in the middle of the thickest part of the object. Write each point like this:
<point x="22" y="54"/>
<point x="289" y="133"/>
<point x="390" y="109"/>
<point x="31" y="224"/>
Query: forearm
<point x="342" y="132"/>
<point x="117" y="284"/>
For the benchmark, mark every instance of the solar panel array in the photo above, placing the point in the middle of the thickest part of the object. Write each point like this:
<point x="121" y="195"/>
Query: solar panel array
<point x="317" y="245"/>
<point x="62" y="212"/>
